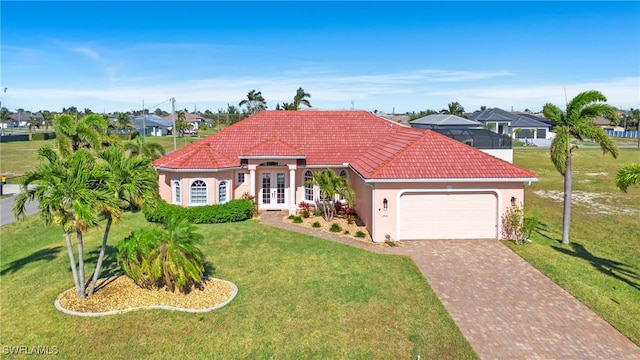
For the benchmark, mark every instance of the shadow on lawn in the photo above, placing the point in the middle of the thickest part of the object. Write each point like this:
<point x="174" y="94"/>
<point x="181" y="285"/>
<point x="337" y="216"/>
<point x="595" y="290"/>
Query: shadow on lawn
<point x="605" y="266"/>
<point x="48" y="254"/>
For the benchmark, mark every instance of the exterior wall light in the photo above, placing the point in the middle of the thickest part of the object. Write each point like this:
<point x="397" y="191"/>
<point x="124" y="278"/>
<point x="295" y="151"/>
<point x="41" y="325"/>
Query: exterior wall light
<point x="385" y="204"/>
<point x="513" y="201"/>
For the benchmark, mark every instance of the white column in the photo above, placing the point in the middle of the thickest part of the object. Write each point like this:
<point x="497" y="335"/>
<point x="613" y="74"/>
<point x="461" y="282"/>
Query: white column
<point x="252" y="182"/>
<point x="292" y="187"/>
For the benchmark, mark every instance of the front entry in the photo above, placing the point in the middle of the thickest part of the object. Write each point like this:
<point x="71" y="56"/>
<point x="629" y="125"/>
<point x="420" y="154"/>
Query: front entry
<point x="273" y="190"/>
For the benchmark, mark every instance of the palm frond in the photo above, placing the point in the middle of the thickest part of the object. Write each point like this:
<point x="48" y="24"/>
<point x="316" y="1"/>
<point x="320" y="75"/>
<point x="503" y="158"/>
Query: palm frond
<point x="628" y="176"/>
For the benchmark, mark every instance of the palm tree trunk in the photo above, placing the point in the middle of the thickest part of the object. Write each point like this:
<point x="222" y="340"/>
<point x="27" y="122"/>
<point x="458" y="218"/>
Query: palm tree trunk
<point x="81" y="264"/>
<point x="566" y="215"/>
<point x="72" y="261"/>
<point x="103" y="248"/>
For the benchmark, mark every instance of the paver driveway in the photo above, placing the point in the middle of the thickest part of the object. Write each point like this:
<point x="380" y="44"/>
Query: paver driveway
<point x="509" y="310"/>
<point x="504" y="307"/>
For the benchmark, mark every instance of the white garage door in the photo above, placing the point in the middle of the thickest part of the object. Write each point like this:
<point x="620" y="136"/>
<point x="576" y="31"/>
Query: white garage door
<point x="453" y="215"/>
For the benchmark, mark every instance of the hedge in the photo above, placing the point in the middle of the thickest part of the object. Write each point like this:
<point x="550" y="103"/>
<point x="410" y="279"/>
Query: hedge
<point x="232" y="211"/>
<point x="43" y="136"/>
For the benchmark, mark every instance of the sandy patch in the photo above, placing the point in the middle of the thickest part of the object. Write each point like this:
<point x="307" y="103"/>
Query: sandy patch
<point x="589" y="199"/>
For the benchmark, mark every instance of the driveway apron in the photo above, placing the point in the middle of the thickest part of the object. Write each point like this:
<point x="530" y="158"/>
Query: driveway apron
<point x="503" y="306"/>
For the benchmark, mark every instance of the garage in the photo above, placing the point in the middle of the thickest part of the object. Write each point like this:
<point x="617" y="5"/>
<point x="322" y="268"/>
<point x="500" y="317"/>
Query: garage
<point x="448" y="215"/>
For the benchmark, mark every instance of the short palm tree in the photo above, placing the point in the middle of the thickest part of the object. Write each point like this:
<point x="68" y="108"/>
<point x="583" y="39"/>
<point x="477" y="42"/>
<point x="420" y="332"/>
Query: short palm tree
<point x="147" y="148"/>
<point x="331" y="186"/>
<point x="454" y="108"/>
<point x="577" y="122"/>
<point x="254" y="102"/>
<point x="72" y="193"/>
<point x="132" y="182"/>
<point x="170" y="259"/>
<point x="628" y="176"/>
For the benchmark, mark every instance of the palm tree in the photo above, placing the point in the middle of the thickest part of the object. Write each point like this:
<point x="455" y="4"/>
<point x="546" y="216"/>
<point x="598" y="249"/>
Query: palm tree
<point x="628" y="176"/>
<point x="88" y="132"/>
<point x="47" y="118"/>
<point x="577" y="122"/>
<point x="330" y="186"/>
<point x="254" y="102"/>
<point x="33" y="122"/>
<point x="71" y="193"/>
<point x="132" y="182"/>
<point x="301" y="98"/>
<point x="123" y="122"/>
<point x="454" y="108"/>
<point x="142" y="147"/>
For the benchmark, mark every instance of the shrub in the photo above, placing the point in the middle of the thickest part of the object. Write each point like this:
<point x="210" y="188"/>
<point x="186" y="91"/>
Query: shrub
<point x="297" y="220"/>
<point x="248" y="196"/>
<point x="43" y="136"/>
<point x="360" y="234"/>
<point x="316" y="224"/>
<point x="391" y="243"/>
<point x="317" y="212"/>
<point x="232" y="211"/>
<point x="346" y="232"/>
<point x="290" y="217"/>
<point x="351" y="219"/>
<point x="512" y="224"/>
<point x="335" y="228"/>
<point x="164" y="258"/>
<point x="305" y="209"/>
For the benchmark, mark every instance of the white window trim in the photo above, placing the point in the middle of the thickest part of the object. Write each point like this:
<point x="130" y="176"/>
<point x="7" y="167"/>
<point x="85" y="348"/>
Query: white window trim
<point x="228" y="188"/>
<point x="304" y="188"/>
<point x="206" y="193"/>
<point x="244" y="177"/>
<point x="176" y="194"/>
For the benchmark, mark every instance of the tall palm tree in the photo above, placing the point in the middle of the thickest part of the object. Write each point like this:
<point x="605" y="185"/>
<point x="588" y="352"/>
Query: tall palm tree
<point x="330" y="186"/>
<point x="123" y="122"/>
<point x="132" y="182"/>
<point x="454" y="108"/>
<point x="71" y="193"/>
<point x="628" y="176"/>
<point x="301" y="98"/>
<point x="254" y="102"/>
<point x="147" y="148"/>
<point x="87" y="132"/>
<point x="577" y="122"/>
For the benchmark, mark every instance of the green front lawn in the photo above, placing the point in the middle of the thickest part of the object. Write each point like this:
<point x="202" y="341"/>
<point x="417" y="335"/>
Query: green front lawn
<point x="602" y="265"/>
<point x="299" y="297"/>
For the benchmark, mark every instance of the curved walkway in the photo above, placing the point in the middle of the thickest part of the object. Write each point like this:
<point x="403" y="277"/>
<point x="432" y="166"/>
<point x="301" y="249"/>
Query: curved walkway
<point x="503" y="306"/>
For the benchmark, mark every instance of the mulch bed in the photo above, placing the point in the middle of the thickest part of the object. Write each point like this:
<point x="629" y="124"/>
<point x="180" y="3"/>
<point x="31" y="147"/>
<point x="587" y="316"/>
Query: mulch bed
<point x="121" y="293"/>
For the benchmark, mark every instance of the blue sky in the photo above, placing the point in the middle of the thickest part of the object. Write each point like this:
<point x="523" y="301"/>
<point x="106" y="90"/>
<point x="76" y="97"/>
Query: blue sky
<point x="385" y="56"/>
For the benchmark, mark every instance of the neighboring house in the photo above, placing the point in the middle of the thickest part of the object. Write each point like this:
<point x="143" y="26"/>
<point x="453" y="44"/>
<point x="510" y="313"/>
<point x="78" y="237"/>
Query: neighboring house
<point x="152" y="125"/>
<point x="526" y="127"/>
<point x="606" y="124"/>
<point x="409" y="183"/>
<point x="20" y="119"/>
<point x="470" y="132"/>
<point x="194" y="121"/>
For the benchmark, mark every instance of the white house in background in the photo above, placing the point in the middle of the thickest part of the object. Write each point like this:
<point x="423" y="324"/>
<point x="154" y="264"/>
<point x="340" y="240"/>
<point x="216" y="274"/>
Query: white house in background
<point x="524" y="127"/>
<point x="152" y="125"/>
<point x="410" y="184"/>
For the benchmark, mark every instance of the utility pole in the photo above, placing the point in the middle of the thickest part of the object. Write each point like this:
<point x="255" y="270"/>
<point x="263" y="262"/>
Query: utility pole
<point x="144" y="117"/>
<point x="173" y="117"/>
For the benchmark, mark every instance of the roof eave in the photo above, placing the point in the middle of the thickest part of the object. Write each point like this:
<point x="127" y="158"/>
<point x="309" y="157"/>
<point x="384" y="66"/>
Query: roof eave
<point x="162" y="168"/>
<point x="455" y="180"/>
<point x="263" y="157"/>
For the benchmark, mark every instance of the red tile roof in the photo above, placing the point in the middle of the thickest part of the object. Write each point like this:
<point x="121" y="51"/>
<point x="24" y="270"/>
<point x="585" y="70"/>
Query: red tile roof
<point x="376" y="148"/>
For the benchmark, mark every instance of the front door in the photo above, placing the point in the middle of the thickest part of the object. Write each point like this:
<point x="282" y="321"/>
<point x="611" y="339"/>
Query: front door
<point x="273" y="189"/>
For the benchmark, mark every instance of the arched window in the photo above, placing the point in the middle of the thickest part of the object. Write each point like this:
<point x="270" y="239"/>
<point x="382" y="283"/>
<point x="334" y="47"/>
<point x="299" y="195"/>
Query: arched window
<point x="222" y="192"/>
<point x="308" y="187"/>
<point x="198" y="194"/>
<point x="176" y="192"/>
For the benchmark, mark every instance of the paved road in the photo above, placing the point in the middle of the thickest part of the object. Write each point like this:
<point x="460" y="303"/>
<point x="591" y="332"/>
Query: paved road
<point x="6" y="205"/>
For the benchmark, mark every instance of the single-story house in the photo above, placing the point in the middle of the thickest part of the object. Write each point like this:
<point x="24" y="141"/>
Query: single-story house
<point x="152" y="125"/>
<point x="470" y="132"/>
<point x="194" y="121"/>
<point x="409" y="184"/>
<point x="519" y="126"/>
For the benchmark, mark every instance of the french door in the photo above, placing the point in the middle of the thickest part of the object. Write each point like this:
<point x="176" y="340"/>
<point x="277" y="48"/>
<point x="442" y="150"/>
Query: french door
<point x="273" y="189"/>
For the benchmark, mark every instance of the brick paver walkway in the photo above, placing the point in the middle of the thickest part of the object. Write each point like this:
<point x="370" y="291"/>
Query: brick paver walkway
<point x="503" y="306"/>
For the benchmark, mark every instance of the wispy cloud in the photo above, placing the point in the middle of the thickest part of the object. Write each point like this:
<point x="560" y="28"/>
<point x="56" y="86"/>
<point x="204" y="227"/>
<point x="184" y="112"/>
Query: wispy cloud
<point x="87" y="51"/>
